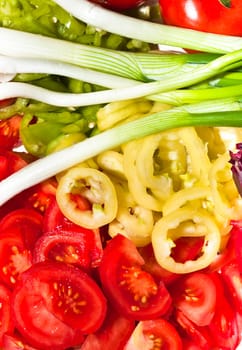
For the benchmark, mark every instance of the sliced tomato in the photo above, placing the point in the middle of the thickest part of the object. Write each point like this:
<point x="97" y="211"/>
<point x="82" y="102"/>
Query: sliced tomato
<point x="6" y="321"/>
<point x="195" y="296"/>
<point x="131" y="290"/>
<point x="188" y="344"/>
<point x="56" y="222"/>
<point x="154" y="334"/>
<point x="151" y="266"/>
<point x="187" y="248"/>
<point x="235" y="243"/>
<point x="233" y="280"/>
<point x="9" y="132"/>
<point x="10" y="162"/>
<point x="195" y="334"/>
<point x="113" y="334"/>
<point x="14" y="257"/>
<point x="75" y="245"/>
<point x="223" y="327"/>
<point x="55" y="303"/>
<point x="27" y="221"/>
<point x="53" y="217"/>
<point x="42" y="195"/>
<point x="14" y="342"/>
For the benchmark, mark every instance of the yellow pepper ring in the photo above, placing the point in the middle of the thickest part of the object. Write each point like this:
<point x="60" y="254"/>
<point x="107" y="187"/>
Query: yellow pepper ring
<point x="93" y="185"/>
<point x="185" y="222"/>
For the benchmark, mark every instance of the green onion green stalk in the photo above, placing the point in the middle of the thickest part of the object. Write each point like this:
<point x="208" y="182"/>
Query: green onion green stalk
<point x="54" y="163"/>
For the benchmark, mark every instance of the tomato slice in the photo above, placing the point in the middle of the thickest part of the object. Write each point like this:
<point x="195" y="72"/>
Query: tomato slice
<point x="9" y="132"/>
<point x="54" y="303"/>
<point x="195" y="296"/>
<point x="154" y="334"/>
<point x="42" y="195"/>
<point x="113" y="334"/>
<point x="224" y="326"/>
<point x="75" y="246"/>
<point x="193" y="333"/>
<point x="6" y="321"/>
<point x="53" y="217"/>
<point x="235" y="242"/>
<point x="151" y="266"/>
<point x="233" y="279"/>
<point x="14" y="257"/>
<point x="56" y="223"/>
<point x="27" y="222"/>
<point x="12" y="342"/>
<point x="131" y="290"/>
<point x="10" y="162"/>
<point x="187" y="248"/>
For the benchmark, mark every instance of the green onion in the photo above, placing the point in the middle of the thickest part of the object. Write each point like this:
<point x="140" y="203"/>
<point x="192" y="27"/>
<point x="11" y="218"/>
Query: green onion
<point x="155" y="33"/>
<point x="180" y="97"/>
<point x="206" y="71"/>
<point x="54" y="163"/>
<point x="137" y="66"/>
<point x="10" y="66"/>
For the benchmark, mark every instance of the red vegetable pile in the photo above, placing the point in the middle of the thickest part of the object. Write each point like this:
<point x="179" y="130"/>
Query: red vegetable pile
<point x="66" y="287"/>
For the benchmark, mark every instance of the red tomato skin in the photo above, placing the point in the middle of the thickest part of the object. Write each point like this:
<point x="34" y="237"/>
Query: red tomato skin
<point x="203" y="15"/>
<point x="55" y="222"/>
<point x="233" y="280"/>
<point x="152" y="266"/>
<point x="120" y="255"/>
<point x="9" y="132"/>
<point x="113" y="334"/>
<point x="72" y="247"/>
<point x="27" y="222"/>
<point x="224" y="328"/>
<point x="6" y="322"/>
<point x="195" y="334"/>
<point x="195" y="296"/>
<point x="10" y="162"/>
<point x="37" y="306"/>
<point x="14" y="257"/>
<point x="159" y="331"/>
<point x="12" y="342"/>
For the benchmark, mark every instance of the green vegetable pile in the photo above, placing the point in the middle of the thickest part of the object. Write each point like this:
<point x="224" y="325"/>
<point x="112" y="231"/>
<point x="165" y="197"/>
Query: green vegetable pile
<point x="64" y="60"/>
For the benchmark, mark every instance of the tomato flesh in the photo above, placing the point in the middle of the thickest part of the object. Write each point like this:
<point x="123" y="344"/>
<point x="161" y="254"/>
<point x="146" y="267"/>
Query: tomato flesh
<point x="131" y="290"/>
<point x="113" y="334"/>
<point x="154" y="334"/>
<point x="195" y="296"/>
<point x="55" y="303"/>
<point x="14" y="257"/>
<point x="27" y="222"/>
<point x="76" y="247"/>
<point x="9" y="132"/>
<point x="152" y="266"/>
<point x="6" y="322"/>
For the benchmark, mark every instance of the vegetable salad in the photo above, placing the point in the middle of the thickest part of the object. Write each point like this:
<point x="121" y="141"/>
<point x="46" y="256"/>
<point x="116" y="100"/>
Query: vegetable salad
<point x="120" y="191"/>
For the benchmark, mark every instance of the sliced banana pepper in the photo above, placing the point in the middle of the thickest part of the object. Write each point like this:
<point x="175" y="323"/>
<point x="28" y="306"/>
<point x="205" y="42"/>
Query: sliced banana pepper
<point x="132" y="220"/>
<point x="185" y="222"/>
<point x="94" y="186"/>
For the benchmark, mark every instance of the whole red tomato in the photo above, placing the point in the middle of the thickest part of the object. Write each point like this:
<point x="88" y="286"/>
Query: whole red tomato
<point x="214" y="16"/>
<point x="119" y="5"/>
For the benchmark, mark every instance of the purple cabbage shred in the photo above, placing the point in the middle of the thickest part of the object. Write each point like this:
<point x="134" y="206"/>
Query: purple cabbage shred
<point x="236" y="161"/>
